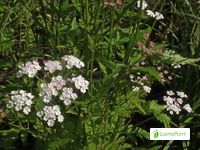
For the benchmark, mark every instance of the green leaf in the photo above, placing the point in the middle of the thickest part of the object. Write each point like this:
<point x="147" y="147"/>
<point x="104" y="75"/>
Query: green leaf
<point x="103" y="68"/>
<point x="155" y="107"/>
<point x="91" y="146"/>
<point x="74" y="25"/>
<point x="141" y="133"/>
<point x="163" y="118"/>
<point x="6" y="45"/>
<point x="157" y="111"/>
<point x="178" y="59"/>
<point x="151" y="71"/>
<point x="137" y="102"/>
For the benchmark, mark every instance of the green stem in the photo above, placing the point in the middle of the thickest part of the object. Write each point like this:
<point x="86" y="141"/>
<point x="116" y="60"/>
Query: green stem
<point x="133" y="37"/>
<point x="111" y="32"/>
<point x="95" y="17"/>
<point x="86" y="12"/>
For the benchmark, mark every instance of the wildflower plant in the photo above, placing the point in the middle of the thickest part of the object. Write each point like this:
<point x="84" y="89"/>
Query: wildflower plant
<point x="174" y="102"/>
<point x="55" y="91"/>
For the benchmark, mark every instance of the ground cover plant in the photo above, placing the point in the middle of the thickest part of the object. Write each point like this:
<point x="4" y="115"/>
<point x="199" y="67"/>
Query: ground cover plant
<point x="98" y="74"/>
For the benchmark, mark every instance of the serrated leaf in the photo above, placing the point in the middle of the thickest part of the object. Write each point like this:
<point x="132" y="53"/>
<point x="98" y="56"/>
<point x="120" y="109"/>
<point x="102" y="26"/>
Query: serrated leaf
<point x="163" y="118"/>
<point x="142" y="133"/>
<point x="137" y="102"/>
<point x="155" y="107"/>
<point x="178" y="59"/>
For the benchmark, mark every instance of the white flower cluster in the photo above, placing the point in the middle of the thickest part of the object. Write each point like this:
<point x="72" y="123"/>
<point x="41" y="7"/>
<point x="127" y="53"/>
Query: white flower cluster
<point x="144" y="4"/>
<point x="52" y="66"/>
<point x="176" y="66"/>
<point x="50" y="114"/>
<point x="150" y="13"/>
<point x="156" y="15"/>
<point x="80" y="83"/>
<point x="58" y="87"/>
<point x="68" y="95"/>
<point x="51" y="89"/>
<point x="58" y="83"/>
<point x="174" y="102"/>
<point x="21" y="100"/>
<point x="30" y="68"/>
<point x="141" y="83"/>
<point x="73" y="61"/>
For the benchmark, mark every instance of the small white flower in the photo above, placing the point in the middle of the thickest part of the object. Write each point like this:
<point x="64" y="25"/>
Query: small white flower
<point x="60" y="118"/>
<point x="170" y="93"/>
<point x="40" y="114"/>
<point x="56" y="110"/>
<point x="159" y="68"/>
<point x="171" y="112"/>
<point x="58" y="82"/>
<point x="18" y="107"/>
<point x="179" y="100"/>
<point x="68" y="95"/>
<point x="73" y="61"/>
<point x="150" y="13"/>
<point x="52" y="66"/>
<point x="131" y="76"/>
<point x="181" y="94"/>
<point x="50" y="122"/>
<point x="187" y="108"/>
<point x="26" y="110"/>
<point x="176" y="66"/>
<point x="47" y="92"/>
<point x="80" y="83"/>
<point x="50" y="114"/>
<point x="51" y="89"/>
<point x="30" y="68"/>
<point x="174" y="102"/>
<point x="135" y="88"/>
<point x="21" y="101"/>
<point x="173" y="108"/>
<point x="158" y="16"/>
<point x="144" y="4"/>
<point x="169" y="100"/>
<point x="29" y="102"/>
<point x="147" y="89"/>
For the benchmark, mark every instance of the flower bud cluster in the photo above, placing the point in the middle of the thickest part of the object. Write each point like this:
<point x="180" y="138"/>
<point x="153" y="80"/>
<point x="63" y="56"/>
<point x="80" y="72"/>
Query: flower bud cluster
<point x="21" y="100"/>
<point x="149" y="48"/>
<point x="165" y="75"/>
<point x="174" y="102"/>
